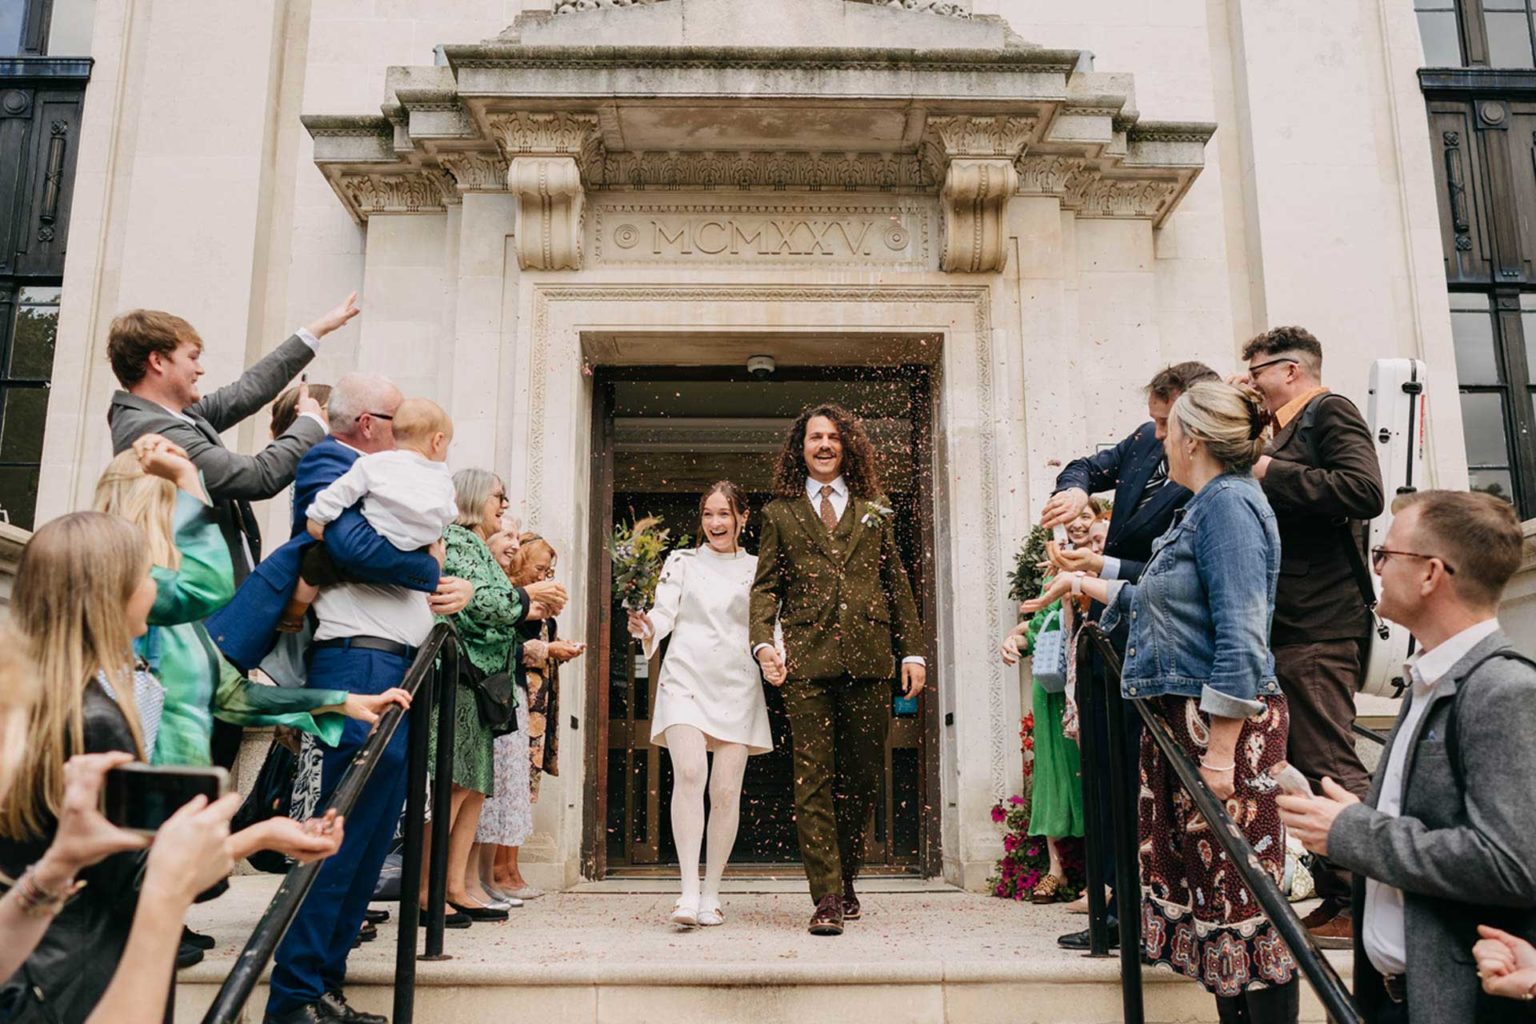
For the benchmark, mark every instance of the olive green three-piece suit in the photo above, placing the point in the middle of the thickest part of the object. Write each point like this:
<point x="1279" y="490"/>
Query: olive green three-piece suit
<point x="846" y="607"/>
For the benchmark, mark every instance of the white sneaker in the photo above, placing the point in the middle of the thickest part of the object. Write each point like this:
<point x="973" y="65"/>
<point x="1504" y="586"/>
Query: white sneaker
<point x="710" y="913"/>
<point x="685" y="915"/>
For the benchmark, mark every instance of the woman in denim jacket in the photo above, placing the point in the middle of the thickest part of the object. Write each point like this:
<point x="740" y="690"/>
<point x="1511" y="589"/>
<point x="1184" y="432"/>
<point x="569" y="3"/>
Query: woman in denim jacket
<point x="1199" y="650"/>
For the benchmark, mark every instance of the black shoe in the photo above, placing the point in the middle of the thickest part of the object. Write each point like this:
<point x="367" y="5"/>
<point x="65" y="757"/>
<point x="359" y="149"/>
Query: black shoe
<point x="454" y="920"/>
<point x="299" y="1015"/>
<point x="187" y="955"/>
<point x="480" y="913"/>
<point x="333" y="1007"/>
<point x="852" y="910"/>
<point x="1079" y="940"/>
<point x="375" y="916"/>
<point x="192" y="938"/>
<point x="368" y="932"/>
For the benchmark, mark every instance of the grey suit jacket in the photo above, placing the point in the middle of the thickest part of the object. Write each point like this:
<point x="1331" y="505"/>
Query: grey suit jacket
<point x="1463" y="851"/>
<point x="233" y="480"/>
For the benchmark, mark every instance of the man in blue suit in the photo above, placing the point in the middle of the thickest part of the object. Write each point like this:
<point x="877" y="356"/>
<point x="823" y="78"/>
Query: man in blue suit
<point x="366" y="637"/>
<point x="1145" y="503"/>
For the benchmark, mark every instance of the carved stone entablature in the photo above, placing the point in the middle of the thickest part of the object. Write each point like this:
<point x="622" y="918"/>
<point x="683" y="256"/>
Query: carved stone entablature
<point x="418" y="192"/>
<point x="572" y="6"/>
<point x="1052" y="175"/>
<point x="475" y="171"/>
<point x="550" y="205"/>
<point x="1106" y="198"/>
<point x="757" y="171"/>
<point x="949" y="8"/>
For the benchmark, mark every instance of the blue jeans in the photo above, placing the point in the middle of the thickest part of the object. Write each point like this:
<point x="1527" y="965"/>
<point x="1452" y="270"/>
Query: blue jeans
<point x="312" y="958"/>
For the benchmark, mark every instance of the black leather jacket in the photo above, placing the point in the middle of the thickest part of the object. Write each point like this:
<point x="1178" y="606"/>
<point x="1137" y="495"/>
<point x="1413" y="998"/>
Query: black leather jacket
<point x="68" y="972"/>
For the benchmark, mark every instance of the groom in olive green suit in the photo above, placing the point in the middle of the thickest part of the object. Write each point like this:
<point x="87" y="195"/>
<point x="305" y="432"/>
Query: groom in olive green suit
<point x="829" y="571"/>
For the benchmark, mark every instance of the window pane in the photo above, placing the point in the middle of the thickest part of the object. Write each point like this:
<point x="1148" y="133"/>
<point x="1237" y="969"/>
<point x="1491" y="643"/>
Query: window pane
<point x="1496" y="482"/>
<point x="18" y="494"/>
<point x="1509" y="38"/>
<point x="37" y="329"/>
<point x="21" y="424"/>
<point x="1482" y="421"/>
<point x="1472" y="332"/>
<point x="1437" y="29"/>
<point x="1528" y="326"/>
<point x="13" y="17"/>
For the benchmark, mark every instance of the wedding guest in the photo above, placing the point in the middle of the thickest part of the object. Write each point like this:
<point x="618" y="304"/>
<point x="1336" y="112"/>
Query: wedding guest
<point x="285" y="407"/>
<point x="709" y="697"/>
<point x="1056" y="789"/>
<point x="1145" y="503"/>
<point x="1445" y="839"/>
<point x="155" y="486"/>
<point x="487" y="628"/>
<point x="83" y="592"/>
<point x="1198" y="650"/>
<point x="520" y="757"/>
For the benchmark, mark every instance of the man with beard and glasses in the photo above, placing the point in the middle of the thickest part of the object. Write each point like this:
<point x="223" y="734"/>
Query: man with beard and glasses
<point x="829" y="570"/>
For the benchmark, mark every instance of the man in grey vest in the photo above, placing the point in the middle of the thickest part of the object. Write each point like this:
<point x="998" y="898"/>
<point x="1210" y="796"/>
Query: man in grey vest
<point x="1446" y="838"/>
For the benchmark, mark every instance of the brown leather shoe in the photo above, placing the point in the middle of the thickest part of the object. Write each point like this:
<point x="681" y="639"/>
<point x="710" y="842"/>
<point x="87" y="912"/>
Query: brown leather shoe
<point x="851" y="908"/>
<point x="1337" y="933"/>
<point x="828" y="919"/>
<point x="1324" y="912"/>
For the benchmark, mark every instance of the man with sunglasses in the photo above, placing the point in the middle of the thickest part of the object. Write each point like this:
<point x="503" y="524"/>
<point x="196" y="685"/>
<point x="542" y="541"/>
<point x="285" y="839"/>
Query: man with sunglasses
<point x="1322" y="477"/>
<point x="1445" y="839"/>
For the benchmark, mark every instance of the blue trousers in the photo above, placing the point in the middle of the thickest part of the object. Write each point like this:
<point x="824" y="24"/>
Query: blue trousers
<point x="312" y="958"/>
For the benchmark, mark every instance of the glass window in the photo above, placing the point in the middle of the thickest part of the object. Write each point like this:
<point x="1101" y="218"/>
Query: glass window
<point x="1482" y="423"/>
<point x="1438" y="32"/>
<point x="37" y="329"/>
<point x="26" y="363"/>
<point x="1528" y="326"/>
<point x="1508" y="23"/>
<point x="13" y="20"/>
<point x="1472" y="331"/>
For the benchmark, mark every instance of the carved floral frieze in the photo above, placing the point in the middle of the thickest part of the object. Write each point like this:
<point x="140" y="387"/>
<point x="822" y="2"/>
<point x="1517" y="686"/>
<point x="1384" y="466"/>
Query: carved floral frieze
<point x="420" y="192"/>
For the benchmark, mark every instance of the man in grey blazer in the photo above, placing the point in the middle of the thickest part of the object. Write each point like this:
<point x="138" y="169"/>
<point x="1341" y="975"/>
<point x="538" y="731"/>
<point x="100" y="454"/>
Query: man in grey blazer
<point x="1446" y="838"/>
<point x="155" y="357"/>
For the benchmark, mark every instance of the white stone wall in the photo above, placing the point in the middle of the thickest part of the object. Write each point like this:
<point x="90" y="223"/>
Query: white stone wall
<point x="197" y="192"/>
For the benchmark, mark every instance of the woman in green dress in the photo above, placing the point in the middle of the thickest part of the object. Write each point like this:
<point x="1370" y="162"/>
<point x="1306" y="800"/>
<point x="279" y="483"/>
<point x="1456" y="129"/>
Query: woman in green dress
<point x="155" y="486"/>
<point x="1056" y="794"/>
<point x="489" y="637"/>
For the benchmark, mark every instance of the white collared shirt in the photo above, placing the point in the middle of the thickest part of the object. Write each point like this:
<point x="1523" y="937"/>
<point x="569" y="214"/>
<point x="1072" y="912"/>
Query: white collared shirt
<point x="1383" y="930"/>
<point x="839" y="495"/>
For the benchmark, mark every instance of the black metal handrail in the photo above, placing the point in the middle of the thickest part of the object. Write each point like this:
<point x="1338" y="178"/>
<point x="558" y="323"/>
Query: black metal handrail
<point x="436" y="662"/>
<point x="1369" y="733"/>
<point x="1319" y="973"/>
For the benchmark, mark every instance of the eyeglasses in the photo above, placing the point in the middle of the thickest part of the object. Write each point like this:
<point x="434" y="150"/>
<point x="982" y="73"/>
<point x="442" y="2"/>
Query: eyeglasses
<point x="378" y="415"/>
<point x="1253" y="371"/>
<point x="501" y="497"/>
<point x="1380" y="555"/>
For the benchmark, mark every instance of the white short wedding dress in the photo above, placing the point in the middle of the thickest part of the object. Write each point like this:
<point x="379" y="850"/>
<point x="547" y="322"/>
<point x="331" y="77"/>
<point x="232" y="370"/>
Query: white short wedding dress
<point x="709" y="679"/>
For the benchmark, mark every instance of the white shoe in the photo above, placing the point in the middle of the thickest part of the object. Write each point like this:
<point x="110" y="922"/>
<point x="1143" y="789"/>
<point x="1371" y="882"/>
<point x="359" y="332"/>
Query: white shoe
<point x="686" y="915"/>
<point x="710" y="913"/>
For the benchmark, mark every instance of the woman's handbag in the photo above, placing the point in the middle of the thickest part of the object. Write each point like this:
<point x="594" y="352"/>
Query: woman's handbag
<point x="495" y="697"/>
<point x="1050" y="658"/>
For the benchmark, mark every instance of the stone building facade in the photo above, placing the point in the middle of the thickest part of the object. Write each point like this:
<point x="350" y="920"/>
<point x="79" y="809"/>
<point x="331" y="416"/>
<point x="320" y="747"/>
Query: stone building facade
<point x="1032" y="205"/>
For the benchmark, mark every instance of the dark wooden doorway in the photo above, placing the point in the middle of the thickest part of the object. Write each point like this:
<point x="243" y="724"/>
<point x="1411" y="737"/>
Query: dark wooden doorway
<point x="660" y="436"/>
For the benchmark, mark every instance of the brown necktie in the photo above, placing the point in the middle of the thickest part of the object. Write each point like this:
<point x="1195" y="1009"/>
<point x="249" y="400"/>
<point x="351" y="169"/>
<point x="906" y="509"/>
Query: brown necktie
<point x="828" y="513"/>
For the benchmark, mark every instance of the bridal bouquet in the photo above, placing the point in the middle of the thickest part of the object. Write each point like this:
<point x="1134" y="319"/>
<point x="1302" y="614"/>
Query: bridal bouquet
<point x="638" y="552"/>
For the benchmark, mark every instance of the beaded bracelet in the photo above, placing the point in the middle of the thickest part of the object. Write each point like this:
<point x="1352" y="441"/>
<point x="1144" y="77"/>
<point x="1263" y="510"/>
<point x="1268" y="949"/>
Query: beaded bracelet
<point x="35" y="901"/>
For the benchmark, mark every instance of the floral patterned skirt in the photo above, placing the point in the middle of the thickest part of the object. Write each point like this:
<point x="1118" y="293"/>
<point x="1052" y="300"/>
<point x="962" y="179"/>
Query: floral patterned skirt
<point x="1197" y="915"/>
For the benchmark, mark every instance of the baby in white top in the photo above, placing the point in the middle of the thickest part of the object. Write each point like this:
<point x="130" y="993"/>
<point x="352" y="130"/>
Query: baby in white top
<point x="406" y="494"/>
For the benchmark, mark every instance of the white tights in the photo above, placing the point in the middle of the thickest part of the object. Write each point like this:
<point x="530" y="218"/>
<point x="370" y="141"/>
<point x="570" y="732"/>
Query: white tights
<point x="690" y="770"/>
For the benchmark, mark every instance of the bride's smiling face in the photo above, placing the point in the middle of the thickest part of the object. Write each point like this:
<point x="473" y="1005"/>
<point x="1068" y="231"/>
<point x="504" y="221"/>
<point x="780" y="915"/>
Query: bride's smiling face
<point x="720" y="523"/>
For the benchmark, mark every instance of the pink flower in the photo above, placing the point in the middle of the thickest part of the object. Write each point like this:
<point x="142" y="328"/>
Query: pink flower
<point x="1016" y="800"/>
<point x="1010" y="843"/>
<point x="998" y="814"/>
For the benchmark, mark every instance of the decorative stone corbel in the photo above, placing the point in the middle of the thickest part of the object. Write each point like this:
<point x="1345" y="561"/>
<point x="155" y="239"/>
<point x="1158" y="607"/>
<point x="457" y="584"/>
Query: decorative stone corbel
<point x="977" y="155"/>
<point x="543" y="154"/>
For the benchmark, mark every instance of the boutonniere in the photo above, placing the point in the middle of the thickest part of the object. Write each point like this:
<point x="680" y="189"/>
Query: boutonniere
<point x="875" y="514"/>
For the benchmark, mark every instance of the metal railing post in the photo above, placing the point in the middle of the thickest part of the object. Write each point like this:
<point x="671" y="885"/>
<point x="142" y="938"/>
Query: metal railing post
<point x="1127" y="869"/>
<point x="442" y="805"/>
<point x="411" y="855"/>
<point x="1090" y="700"/>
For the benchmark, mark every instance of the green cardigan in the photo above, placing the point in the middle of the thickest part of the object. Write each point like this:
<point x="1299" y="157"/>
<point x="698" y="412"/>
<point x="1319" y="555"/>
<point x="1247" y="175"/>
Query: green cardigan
<point x="487" y="626"/>
<point x="199" y="683"/>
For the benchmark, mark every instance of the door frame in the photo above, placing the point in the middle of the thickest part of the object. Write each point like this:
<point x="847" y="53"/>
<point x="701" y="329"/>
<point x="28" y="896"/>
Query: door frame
<point x="924" y="401"/>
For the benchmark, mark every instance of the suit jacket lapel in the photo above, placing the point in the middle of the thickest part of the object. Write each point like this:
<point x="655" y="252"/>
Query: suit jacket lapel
<point x="1447" y="691"/>
<point x="812" y="524"/>
<point x="1285" y="434"/>
<point x="852" y="528"/>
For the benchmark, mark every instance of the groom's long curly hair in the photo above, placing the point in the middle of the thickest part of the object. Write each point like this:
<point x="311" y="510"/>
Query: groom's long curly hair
<point x="859" y="470"/>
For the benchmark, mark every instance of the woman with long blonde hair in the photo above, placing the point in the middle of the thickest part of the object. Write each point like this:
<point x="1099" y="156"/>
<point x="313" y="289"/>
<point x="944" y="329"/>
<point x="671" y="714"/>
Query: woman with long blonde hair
<point x="154" y="486"/>
<point x="83" y="593"/>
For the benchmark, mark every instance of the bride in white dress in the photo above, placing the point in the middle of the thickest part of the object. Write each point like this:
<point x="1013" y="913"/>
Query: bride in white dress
<point x="709" y="698"/>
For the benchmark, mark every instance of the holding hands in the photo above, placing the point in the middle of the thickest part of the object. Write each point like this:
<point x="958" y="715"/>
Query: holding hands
<point x="772" y="663"/>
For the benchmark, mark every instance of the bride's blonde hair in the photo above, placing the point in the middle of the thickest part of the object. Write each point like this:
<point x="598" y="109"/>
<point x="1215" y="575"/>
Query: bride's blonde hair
<point x="148" y="502"/>
<point x="69" y="605"/>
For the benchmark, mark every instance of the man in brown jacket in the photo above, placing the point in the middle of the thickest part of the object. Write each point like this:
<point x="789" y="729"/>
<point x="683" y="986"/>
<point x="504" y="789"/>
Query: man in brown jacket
<point x="1322" y="477"/>
<point x="828" y="569"/>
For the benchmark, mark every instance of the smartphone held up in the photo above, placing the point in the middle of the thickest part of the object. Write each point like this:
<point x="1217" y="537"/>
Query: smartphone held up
<point x="140" y="797"/>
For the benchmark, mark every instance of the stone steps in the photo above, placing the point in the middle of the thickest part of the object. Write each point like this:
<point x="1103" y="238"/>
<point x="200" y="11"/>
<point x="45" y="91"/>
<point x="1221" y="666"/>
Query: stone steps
<point x="924" y="957"/>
